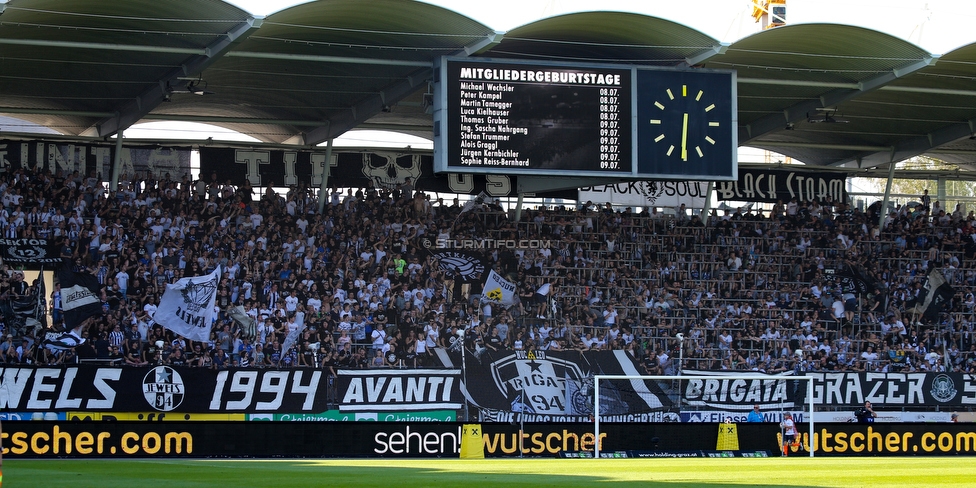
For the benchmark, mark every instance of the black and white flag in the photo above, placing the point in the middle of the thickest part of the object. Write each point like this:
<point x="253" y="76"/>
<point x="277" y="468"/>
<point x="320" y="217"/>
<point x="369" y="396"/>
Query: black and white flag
<point x="187" y="306"/>
<point x="475" y="202"/>
<point x="849" y="279"/>
<point x="937" y="293"/>
<point x="27" y="312"/>
<point x="499" y="290"/>
<point x="247" y="323"/>
<point x="460" y="265"/>
<point x="60" y="341"/>
<point x="80" y="297"/>
<point x="291" y="339"/>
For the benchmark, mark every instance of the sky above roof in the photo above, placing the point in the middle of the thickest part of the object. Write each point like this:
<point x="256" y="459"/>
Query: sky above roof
<point x="938" y="26"/>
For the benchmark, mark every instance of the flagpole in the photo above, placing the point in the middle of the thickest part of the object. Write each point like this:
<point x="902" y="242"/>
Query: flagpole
<point x="6" y="392"/>
<point x="464" y="374"/>
<point x="521" y="413"/>
<point x="40" y="298"/>
<point x="945" y="352"/>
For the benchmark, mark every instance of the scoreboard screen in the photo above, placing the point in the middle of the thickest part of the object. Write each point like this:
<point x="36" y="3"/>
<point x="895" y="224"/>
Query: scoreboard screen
<point x="536" y="119"/>
<point x="616" y="121"/>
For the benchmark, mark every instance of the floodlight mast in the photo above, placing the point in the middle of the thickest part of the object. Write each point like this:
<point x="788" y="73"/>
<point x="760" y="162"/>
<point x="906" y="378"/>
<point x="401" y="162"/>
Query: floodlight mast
<point x="762" y="377"/>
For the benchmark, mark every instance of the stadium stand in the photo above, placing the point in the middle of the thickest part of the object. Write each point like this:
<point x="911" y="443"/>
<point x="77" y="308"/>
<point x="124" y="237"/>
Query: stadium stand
<point x="750" y="290"/>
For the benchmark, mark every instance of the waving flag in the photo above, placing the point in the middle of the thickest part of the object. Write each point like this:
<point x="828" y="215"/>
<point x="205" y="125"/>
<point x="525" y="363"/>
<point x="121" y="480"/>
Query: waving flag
<point x="479" y="200"/>
<point x="291" y="339"/>
<point x="187" y="306"/>
<point x="499" y="290"/>
<point x="247" y="323"/>
<point x="937" y="292"/>
<point x="25" y="313"/>
<point x="60" y="341"/>
<point x="80" y="297"/>
<point x="461" y="265"/>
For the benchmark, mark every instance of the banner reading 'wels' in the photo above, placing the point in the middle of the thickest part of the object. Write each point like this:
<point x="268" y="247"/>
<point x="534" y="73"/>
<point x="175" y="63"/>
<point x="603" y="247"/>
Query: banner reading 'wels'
<point x="162" y="389"/>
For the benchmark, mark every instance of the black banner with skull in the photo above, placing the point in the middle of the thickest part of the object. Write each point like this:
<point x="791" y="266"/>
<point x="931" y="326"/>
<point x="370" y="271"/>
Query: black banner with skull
<point x="381" y="169"/>
<point x="33" y="253"/>
<point x="648" y="193"/>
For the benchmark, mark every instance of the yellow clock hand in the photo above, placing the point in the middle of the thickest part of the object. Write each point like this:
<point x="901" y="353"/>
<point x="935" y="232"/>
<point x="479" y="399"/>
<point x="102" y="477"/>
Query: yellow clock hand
<point x="684" y="139"/>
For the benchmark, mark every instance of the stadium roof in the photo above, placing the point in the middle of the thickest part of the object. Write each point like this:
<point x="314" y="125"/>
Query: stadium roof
<point x="823" y="94"/>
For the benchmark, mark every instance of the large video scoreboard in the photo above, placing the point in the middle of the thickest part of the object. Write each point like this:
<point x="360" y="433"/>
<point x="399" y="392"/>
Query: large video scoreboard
<point x="507" y="116"/>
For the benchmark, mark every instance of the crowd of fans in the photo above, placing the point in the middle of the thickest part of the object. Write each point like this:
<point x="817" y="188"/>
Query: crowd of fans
<point x="739" y="289"/>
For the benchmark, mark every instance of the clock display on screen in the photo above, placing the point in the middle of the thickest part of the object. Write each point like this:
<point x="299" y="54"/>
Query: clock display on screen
<point x="685" y="123"/>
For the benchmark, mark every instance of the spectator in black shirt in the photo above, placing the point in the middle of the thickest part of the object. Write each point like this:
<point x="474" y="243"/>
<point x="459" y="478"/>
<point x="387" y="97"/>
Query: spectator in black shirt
<point x="494" y="341"/>
<point x="865" y="414"/>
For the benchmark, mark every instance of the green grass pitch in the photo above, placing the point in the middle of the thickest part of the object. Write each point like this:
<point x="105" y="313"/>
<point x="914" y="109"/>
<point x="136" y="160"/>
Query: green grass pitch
<point x="793" y="472"/>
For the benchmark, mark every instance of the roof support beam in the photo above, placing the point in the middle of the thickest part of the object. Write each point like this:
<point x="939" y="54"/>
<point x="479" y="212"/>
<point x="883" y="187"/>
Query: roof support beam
<point x="214" y="119"/>
<point x="798" y="112"/>
<point x="806" y="83"/>
<point x="393" y="127"/>
<point x="934" y="91"/>
<point x="211" y="119"/>
<point x="48" y="111"/>
<point x="916" y="146"/>
<point x="811" y="145"/>
<point x="953" y="152"/>
<point x="709" y="53"/>
<point x="362" y="111"/>
<point x="490" y="41"/>
<point x="326" y="59"/>
<point x="855" y="86"/>
<point x="151" y="98"/>
<point x="104" y="46"/>
<point x="207" y="51"/>
<point x="365" y="109"/>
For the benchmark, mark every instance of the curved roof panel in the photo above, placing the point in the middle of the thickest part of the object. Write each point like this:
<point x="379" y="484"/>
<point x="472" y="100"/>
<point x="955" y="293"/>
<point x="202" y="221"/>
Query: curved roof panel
<point x="824" y="94"/>
<point x="329" y="66"/>
<point x="73" y="63"/>
<point x="821" y="92"/>
<point x="604" y="37"/>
